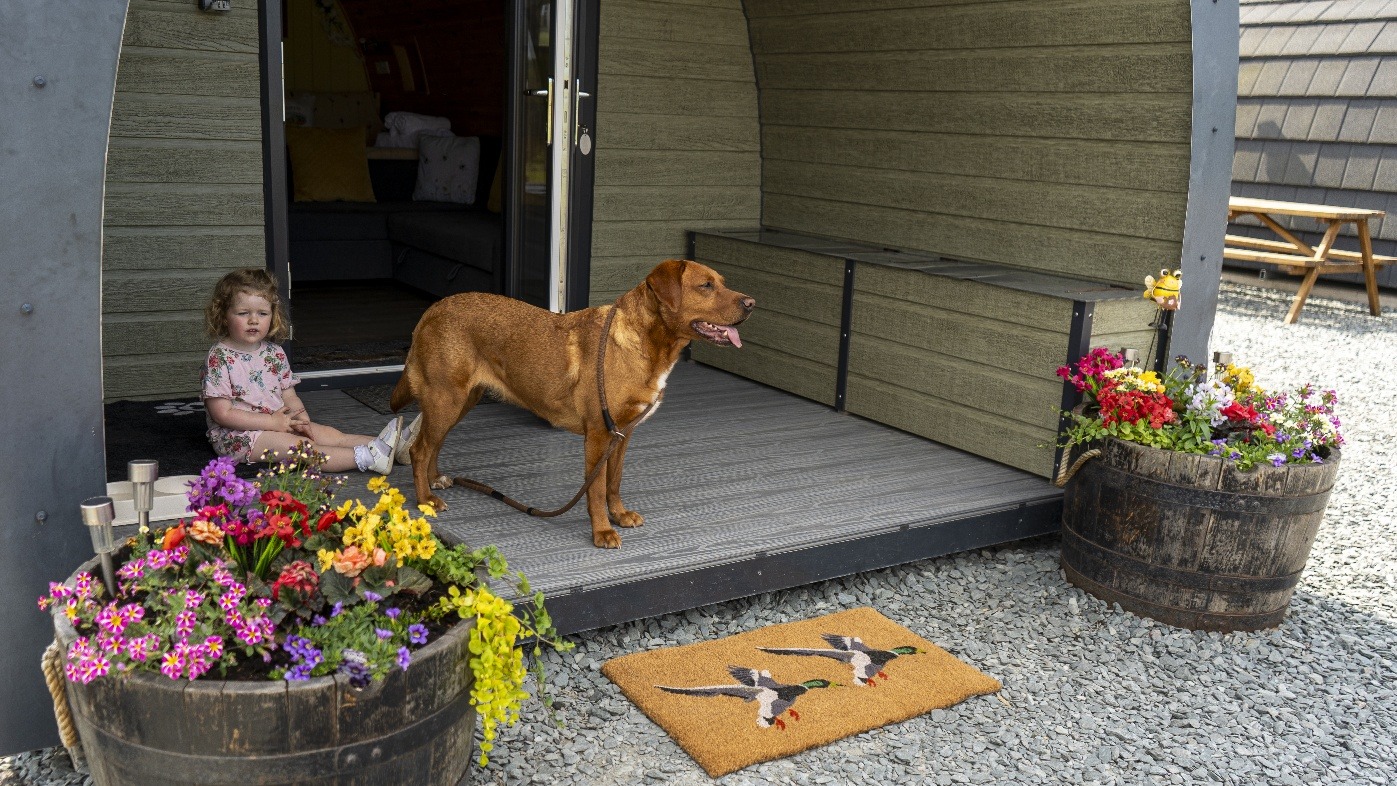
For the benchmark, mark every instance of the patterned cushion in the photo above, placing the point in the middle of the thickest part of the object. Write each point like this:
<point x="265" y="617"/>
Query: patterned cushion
<point x="447" y="168"/>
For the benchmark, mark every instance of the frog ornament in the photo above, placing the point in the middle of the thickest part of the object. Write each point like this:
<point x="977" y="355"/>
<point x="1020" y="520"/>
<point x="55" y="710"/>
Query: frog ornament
<point x="1165" y="290"/>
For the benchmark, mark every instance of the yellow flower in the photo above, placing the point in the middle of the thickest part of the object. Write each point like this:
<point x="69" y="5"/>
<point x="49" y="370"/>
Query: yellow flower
<point x="427" y="509"/>
<point x="378" y="483"/>
<point x="344" y="509"/>
<point x="327" y="558"/>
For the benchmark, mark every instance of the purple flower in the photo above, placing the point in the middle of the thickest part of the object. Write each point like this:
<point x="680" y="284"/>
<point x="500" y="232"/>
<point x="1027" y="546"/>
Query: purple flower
<point x="383" y="635"/>
<point x="337" y="609"/>
<point x="1276" y="459"/>
<point x="392" y="614"/>
<point x="318" y="620"/>
<point x="404" y="658"/>
<point x="417" y="633"/>
<point x="355" y="666"/>
<point x="372" y="597"/>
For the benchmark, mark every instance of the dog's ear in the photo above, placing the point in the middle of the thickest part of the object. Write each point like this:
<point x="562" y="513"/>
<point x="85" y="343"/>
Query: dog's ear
<point x="667" y="282"/>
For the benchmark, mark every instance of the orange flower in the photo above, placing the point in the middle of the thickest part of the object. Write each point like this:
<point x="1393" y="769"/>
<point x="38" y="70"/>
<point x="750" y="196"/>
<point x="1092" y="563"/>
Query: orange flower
<point x="173" y="537"/>
<point x="380" y="557"/>
<point x="351" y="562"/>
<point x="206" y="532"/>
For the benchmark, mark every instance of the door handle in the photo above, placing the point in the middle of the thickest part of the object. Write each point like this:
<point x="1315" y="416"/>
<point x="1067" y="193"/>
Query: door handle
<point x="546" y="91"/>
<point x="580" y="133"/>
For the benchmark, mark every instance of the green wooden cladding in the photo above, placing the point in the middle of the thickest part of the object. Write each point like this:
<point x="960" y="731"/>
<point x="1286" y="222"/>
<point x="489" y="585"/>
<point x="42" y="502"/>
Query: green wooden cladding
<point x="1051" y="135"/>
<point x="967" y="362"/>
<point x="972" y="364"/>
<point x="794" y="345"/>
<point x="184" y="189"/>
<point x="678" y="134"/>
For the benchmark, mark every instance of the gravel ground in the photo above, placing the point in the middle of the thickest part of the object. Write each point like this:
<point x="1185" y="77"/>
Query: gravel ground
<point x="1091" y="695"/>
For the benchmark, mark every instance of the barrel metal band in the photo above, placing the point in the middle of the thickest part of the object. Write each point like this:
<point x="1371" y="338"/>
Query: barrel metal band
<point x="1076" y="545"/>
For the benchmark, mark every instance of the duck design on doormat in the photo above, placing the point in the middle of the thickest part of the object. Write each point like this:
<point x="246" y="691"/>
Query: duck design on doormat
<point x="865" y="661"/>
<point x="773" y="698"/>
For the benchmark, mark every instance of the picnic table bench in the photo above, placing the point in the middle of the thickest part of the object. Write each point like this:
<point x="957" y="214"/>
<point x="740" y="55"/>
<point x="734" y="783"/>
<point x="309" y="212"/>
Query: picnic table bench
<point x="1296" y="257"/>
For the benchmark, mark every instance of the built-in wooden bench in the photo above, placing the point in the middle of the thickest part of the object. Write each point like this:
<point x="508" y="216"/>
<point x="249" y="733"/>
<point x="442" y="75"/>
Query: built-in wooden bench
<point x="964" y="353"/>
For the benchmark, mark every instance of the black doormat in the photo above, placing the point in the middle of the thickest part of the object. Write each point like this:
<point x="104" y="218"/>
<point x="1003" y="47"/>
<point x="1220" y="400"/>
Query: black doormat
<point x="376" y="397"/>
<point x="171" y="432"/>
<point x="320" y="357"/>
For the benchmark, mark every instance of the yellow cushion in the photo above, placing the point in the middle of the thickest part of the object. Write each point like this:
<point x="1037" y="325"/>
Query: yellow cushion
<point x="329" y="164"/>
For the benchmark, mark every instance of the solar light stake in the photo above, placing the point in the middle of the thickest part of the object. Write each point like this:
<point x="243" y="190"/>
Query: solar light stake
<point x="1131" y="357"/>
<point x="143" y="473"/>
<point x="97" y="514"/>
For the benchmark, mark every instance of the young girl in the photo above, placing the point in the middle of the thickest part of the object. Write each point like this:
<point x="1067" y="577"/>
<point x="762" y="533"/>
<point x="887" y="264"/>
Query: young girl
<point x="249" y="390"/>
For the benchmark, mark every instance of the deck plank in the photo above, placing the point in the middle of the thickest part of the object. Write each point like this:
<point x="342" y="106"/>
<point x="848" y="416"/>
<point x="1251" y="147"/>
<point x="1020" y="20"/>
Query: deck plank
<point x="727" y="471"/>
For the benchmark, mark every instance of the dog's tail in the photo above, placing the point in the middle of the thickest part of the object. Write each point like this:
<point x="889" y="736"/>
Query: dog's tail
<point x="402" y="392"/>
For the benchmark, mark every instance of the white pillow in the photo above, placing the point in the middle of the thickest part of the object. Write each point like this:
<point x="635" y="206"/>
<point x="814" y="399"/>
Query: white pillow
<point x="447" y="169"/>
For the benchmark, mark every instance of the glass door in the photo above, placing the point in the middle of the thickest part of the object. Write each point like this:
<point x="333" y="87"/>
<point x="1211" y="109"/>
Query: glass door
<point x="550" y="164"/>
<point x="535" y="98"/>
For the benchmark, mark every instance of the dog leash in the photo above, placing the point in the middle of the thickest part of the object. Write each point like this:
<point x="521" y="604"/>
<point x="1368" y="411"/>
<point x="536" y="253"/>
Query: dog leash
<point x="616" y="436"/>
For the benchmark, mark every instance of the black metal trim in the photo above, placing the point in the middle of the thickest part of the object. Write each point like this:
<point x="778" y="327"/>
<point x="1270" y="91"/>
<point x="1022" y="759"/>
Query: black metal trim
<point x="274" y="186"/>
<point x="846" y="327"/>
<point x="582" y="169"/>
<point x="588" y="609"/>
<point x="690" y="244"/>
<point x="1078" y="344"/>
<point x="513" y="140"/>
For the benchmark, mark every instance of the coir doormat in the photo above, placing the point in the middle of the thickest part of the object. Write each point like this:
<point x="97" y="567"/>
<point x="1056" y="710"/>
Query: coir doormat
<point x="768" y="693"/>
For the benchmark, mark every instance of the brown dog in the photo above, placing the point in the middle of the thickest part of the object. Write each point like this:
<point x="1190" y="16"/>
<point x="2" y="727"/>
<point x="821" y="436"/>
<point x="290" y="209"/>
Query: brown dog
<point x="474" y="342"/>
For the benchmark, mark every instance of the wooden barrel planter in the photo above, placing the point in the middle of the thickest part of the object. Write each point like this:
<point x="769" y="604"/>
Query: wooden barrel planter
<point x="1190" y="540"/>
<point x="415" y="726"/>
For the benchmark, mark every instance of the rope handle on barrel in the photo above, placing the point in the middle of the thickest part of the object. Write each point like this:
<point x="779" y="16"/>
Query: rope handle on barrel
<point x="52" y="663"/>
<point x="617" y="435"/>
<point x="1065" y="473"/>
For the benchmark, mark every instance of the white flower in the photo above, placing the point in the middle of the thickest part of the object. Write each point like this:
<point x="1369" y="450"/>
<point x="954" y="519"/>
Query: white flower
<point x="1210" y="396"/>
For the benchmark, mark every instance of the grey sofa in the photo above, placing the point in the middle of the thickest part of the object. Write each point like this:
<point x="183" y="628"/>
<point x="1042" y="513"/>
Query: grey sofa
<point x="439" y="247"/>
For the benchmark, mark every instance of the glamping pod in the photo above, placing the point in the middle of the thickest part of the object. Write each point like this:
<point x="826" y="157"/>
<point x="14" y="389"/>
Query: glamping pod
<point x="935" y="203"/>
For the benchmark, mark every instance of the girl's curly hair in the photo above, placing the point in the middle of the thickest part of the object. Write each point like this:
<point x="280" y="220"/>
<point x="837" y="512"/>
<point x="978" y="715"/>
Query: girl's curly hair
<point x="254" y="282"/>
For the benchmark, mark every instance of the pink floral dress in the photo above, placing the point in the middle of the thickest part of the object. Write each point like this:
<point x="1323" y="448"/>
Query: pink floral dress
<point x="253" y="381"/>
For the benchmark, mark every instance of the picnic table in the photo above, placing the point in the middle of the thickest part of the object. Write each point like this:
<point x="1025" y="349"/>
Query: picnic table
<point x="1297" y="257"/>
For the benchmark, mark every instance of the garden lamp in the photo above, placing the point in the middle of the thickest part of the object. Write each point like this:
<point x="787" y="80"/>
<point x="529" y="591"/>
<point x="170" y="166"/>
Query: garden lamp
<point x="97" y="514"/>
<point x="1130" y="356"/>
<point x="142" y="474"/>
<point x="1222" y="360"/>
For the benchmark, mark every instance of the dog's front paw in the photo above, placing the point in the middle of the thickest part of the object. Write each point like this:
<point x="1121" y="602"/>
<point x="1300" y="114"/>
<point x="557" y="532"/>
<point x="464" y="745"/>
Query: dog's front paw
<point x="437" y="503"/>
<point x="606" y="539"/>
<point x="627" y="518"/>
<point x="442" y="482"/>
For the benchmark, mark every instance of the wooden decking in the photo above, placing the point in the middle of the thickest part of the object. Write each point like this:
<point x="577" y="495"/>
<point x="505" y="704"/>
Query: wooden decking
<point x="744" y="489"/>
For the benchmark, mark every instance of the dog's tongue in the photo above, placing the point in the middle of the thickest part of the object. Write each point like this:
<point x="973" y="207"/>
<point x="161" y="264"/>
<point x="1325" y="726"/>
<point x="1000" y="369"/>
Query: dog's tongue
<point x="732" y="335"/>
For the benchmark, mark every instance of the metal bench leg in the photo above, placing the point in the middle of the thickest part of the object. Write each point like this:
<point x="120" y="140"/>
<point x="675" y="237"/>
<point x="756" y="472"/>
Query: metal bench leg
<point x="1370" y="276"/>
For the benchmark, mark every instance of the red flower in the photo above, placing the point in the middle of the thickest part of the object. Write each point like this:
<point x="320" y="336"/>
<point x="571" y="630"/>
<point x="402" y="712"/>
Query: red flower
<point x="283" y="527"/>
<point x="298" y="575"/>
<point x="327" y="518"/>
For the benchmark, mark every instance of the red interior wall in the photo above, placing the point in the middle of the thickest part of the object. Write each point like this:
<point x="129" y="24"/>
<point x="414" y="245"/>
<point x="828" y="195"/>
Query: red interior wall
<point x="457" y="51"/>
